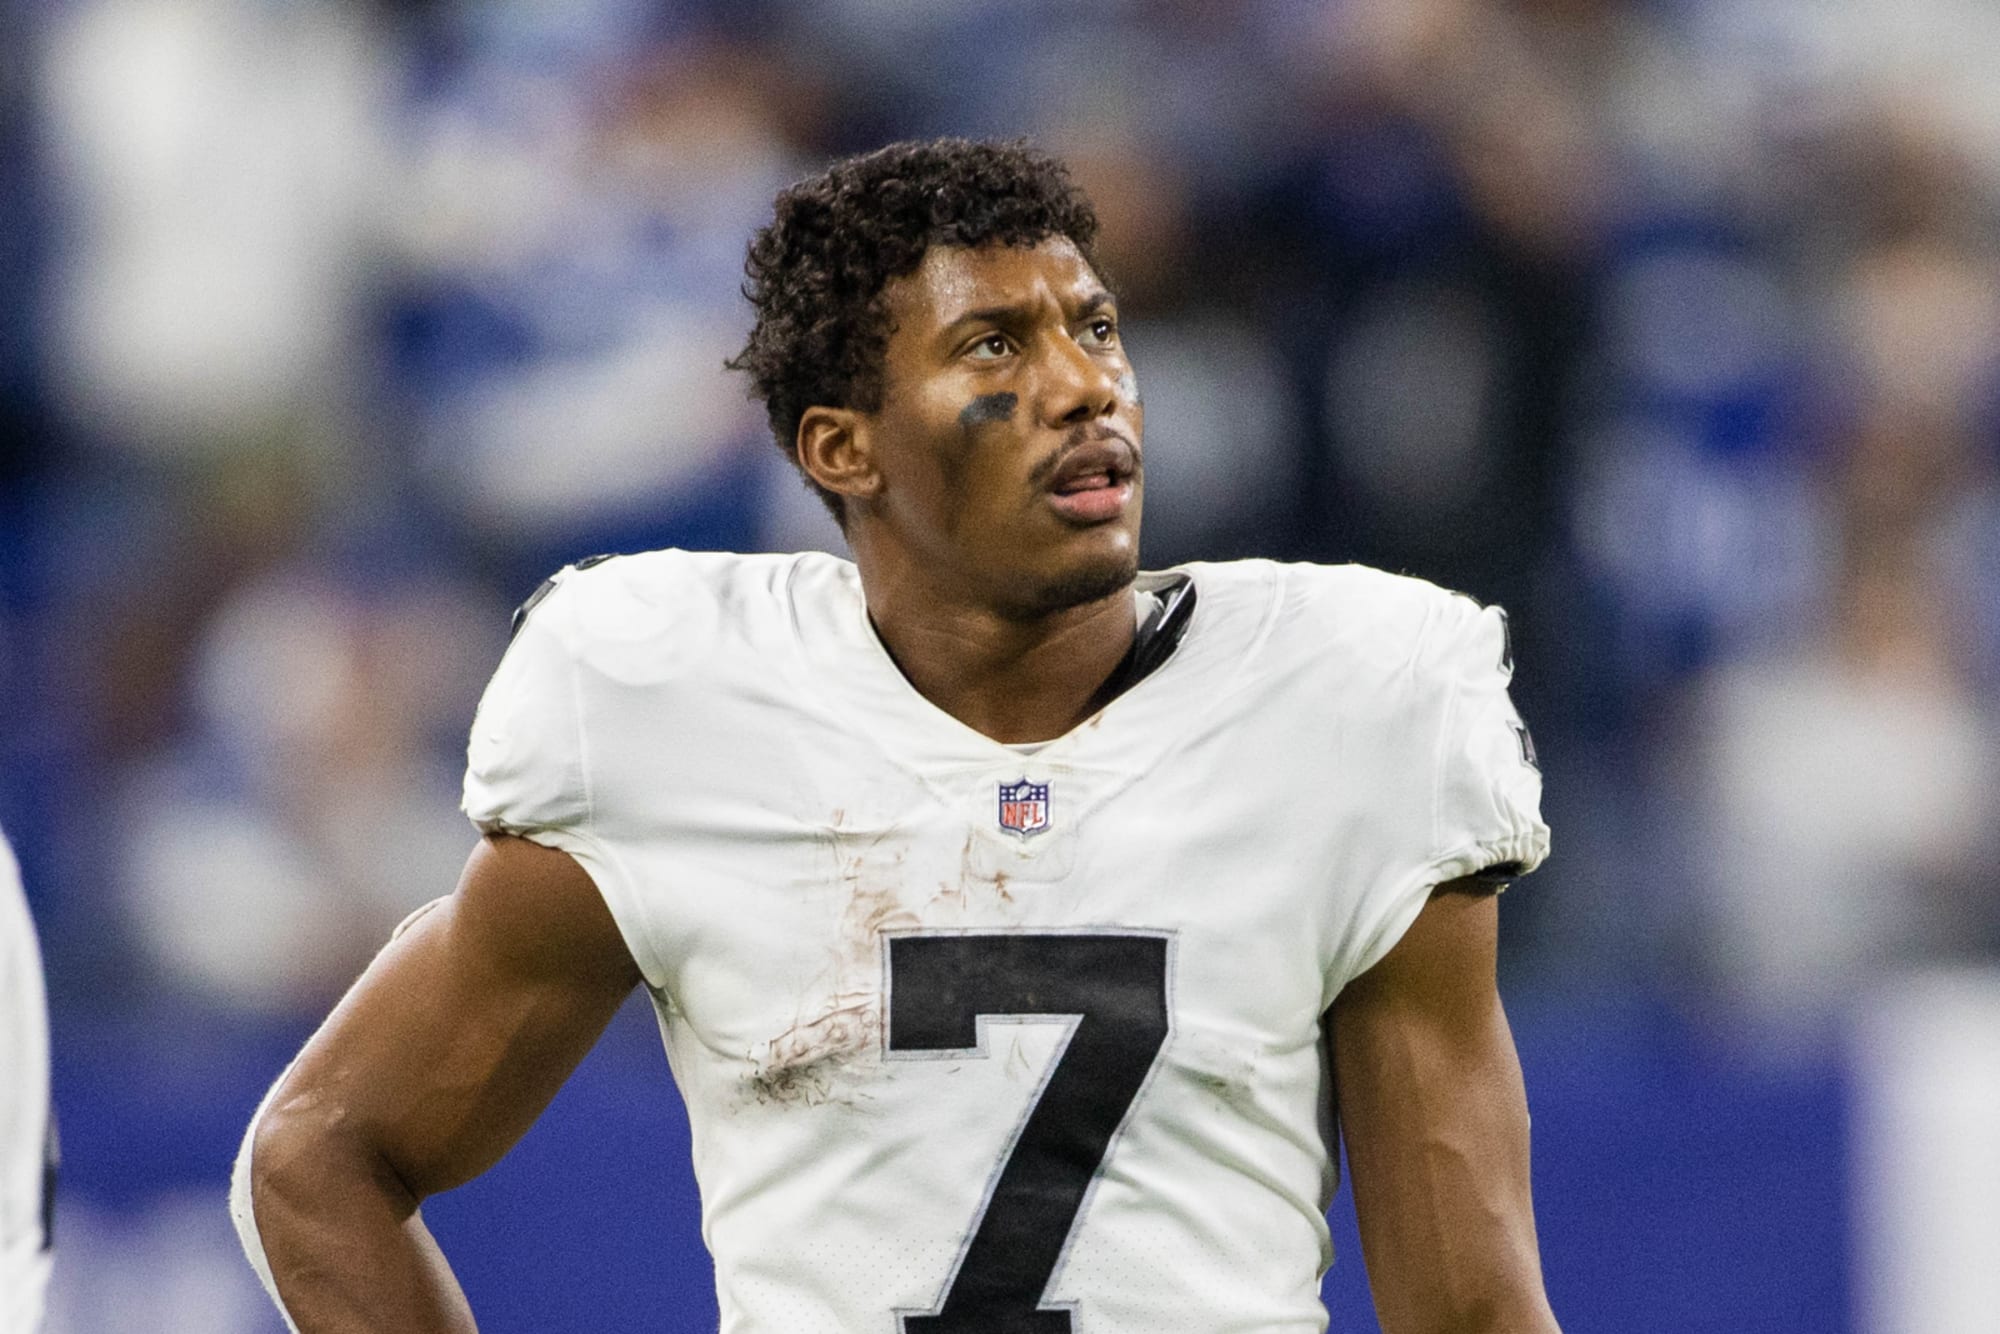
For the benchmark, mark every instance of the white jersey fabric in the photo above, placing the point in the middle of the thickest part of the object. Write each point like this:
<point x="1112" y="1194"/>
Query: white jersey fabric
<point x="975" y="1037"/>
<point x="26" y="1138"/>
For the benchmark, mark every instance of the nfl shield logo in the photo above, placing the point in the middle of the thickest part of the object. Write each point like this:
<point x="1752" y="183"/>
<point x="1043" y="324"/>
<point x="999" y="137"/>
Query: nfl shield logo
<point x="1024" y="807"/>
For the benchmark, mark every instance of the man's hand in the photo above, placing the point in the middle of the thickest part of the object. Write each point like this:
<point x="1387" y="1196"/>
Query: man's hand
<point x="1431" y="1105"/>
<point x="438" y="1059"/>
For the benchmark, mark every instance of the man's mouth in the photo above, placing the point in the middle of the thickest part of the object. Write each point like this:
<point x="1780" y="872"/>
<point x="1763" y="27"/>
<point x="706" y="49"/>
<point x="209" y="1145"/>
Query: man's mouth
<point x="1093" y="481"/>
<point x="1090" y="481"/>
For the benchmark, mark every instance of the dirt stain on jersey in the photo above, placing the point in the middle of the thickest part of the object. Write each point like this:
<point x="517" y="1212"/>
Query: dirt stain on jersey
<point x="971" y="879"/>
<point x="871" y="910"/>
<point x="1018" y="1065"/>
<point x="802" y="1066"/>
<point x="1222" y="1090"/>
<point x="812" y="1063"/>
<point x="1227" y="1073"/>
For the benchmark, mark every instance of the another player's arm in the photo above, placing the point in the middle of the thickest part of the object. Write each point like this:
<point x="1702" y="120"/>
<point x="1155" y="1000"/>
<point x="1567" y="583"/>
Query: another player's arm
<point x="438" y="1059"/>
<point x="1435" y="1119"/>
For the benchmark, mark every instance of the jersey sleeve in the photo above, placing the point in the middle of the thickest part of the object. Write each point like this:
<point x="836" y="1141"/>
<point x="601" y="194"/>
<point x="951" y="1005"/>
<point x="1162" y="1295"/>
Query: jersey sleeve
<point x="528" y="768"/>
<point x="524" y="770"/>
<point x="1487" y="818"/>
<point x="1464" y="800"/>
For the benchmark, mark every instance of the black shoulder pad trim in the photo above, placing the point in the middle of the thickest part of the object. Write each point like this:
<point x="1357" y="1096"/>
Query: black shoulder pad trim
<point x="1164" y="629"/>
<point x="1157" y="636"/>
<point x="1483" y="884"/>
<point x="546" y="587"/>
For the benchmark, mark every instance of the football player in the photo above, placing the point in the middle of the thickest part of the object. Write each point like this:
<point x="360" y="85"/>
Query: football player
<point x="27" y="1126"/>
<point x="1021" y="927"/>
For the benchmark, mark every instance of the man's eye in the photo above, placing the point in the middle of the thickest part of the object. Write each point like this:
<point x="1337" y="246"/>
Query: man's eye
<point x="1101" y="331"/>
<point x="989" y="348"/>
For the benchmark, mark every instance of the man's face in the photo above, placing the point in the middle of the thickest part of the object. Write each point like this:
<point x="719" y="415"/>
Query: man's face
<point x="1008" y="442"/>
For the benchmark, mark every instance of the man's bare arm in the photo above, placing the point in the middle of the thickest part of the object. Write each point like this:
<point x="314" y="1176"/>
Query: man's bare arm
<point x="438" y="1059"/>
<point x="1435" y="1119"/>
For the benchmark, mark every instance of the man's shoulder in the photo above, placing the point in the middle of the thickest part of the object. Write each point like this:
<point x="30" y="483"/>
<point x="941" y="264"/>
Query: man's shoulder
<point x="671" y="599"/>
<point x="1346" y="609"/>
<point x="624" y="647"/>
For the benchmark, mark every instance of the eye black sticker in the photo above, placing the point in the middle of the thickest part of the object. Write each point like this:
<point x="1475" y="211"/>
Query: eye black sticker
<point x="987" y="409"/>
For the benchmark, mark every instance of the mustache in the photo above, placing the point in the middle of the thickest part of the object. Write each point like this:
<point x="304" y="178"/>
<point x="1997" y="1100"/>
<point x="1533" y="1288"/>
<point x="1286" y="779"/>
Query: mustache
<point x="1084" y="433"/>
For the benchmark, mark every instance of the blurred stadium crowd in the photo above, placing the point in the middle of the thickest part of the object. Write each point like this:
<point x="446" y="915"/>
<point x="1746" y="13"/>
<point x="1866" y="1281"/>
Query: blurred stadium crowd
<point x="1669" y="324"/>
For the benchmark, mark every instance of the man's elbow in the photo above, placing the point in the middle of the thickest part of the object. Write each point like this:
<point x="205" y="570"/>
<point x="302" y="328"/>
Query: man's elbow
<point x="270" y="1191"/>
<point x="278" y="1158"/>
<point x="301" y="1159"/>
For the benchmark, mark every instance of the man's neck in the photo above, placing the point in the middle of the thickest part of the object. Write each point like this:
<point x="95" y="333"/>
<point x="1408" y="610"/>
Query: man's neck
<point x="1013" y="680"/>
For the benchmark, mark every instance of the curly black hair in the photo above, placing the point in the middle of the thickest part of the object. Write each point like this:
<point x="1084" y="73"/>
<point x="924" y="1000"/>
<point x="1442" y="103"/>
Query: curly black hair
<point x="816" y="274"/>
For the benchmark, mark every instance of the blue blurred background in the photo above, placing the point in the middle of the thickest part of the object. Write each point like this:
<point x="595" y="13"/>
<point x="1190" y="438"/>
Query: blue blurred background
<point x="328" y="329"/>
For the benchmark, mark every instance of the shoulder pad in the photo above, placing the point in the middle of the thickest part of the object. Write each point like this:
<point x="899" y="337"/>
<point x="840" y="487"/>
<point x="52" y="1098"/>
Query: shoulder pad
<point x="548" y="586"/>
<point x="1506" y="629"/>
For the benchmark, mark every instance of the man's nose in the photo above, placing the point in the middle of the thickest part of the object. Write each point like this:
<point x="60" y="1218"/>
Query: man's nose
<point x="1081" y="387"/>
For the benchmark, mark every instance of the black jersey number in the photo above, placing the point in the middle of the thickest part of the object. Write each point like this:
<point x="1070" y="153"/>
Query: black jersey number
<point x="1115" y="987"/>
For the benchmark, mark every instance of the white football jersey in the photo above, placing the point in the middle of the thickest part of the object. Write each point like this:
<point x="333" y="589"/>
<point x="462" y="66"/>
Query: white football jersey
<point x="26" y="1138"/>
<point x="977" y="1037"/>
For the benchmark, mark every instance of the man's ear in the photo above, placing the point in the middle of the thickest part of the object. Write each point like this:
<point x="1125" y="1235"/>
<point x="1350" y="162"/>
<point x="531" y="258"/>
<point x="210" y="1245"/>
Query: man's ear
<point x="835" y="450"/>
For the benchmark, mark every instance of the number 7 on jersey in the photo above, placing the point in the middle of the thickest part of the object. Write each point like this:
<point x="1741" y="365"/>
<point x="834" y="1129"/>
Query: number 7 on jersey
<point x="1114" y="985"/>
